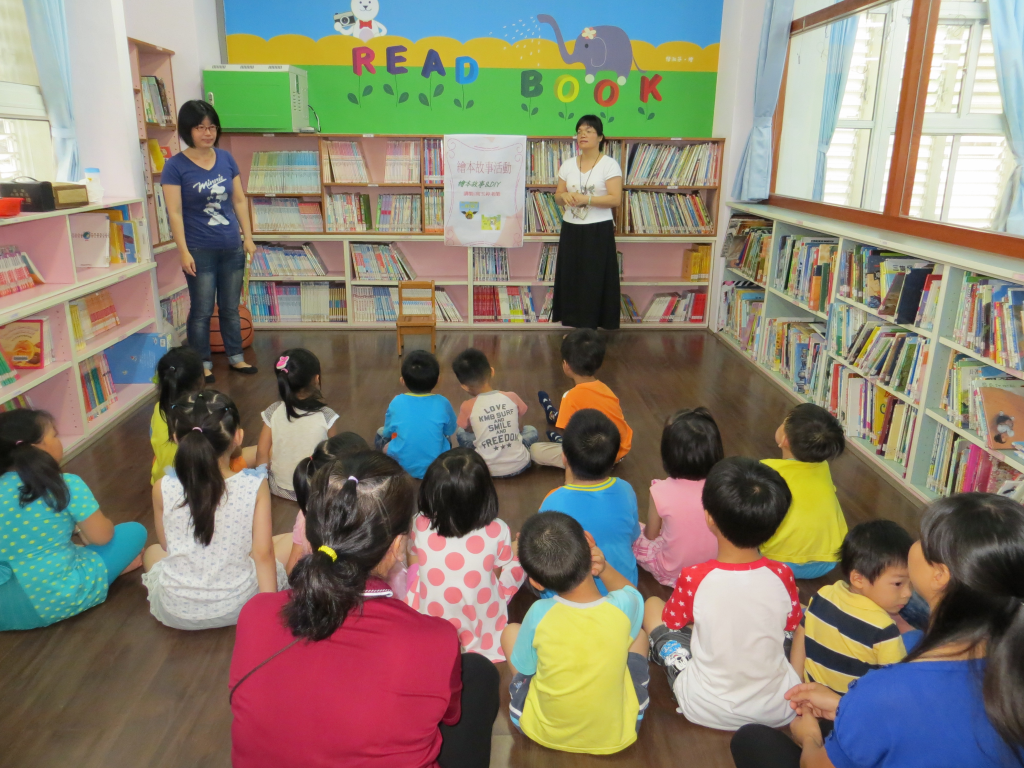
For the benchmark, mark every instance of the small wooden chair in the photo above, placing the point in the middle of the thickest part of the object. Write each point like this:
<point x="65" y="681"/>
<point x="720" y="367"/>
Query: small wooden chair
<point x="416" y="321"/>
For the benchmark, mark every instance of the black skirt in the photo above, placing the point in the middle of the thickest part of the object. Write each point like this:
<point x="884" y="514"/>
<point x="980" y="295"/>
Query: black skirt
<point x="587" y="277"/>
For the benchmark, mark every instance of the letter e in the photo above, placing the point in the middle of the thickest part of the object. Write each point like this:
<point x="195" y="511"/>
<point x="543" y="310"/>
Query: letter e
<point x="394" y="59"/>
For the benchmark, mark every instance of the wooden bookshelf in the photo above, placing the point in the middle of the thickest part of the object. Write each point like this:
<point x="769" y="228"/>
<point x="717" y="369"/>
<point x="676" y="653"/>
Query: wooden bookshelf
<point x="652" y="262"/>
<point x="912" y="471"/>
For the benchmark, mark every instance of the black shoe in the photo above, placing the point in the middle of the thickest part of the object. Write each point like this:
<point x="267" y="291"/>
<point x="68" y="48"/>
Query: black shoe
<point x="249" y="370"/>
<point x="209" y="378"/>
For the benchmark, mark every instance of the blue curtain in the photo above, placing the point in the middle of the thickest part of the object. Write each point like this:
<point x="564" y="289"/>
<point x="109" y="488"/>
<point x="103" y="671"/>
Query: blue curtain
<point x="837" y="70"/>
<point x="753" y="178"/>
<point x="1007" y="18"/>
<point x="49" y="32"/>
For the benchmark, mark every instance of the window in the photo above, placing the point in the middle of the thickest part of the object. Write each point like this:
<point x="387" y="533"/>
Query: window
<point x="26" y="148"/>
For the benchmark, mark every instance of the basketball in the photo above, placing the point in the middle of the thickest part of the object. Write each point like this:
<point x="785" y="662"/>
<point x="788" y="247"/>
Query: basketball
<point x="244" y="320"/>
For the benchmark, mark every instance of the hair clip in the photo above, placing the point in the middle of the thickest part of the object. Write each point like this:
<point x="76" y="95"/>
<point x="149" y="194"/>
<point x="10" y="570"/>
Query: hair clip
<point x="354" y="479"/>
<point x="282" y="363"/>
<point x="329" y="552"/>
<point x="170" y="369"/>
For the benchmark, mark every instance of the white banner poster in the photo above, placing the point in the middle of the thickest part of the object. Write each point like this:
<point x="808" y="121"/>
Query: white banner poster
<point x="484" y="190"/>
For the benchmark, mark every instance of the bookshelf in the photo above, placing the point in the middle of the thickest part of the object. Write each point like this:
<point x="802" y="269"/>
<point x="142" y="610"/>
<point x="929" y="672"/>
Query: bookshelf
<point x="898" y="368"/>
<point x="359" y="172"/>
<point x="132" y="289"/>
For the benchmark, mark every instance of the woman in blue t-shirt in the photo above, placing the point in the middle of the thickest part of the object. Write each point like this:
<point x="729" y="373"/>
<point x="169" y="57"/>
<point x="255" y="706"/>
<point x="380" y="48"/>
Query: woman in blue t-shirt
<point x="206" y="207"/>
<point x="958" y="699"/>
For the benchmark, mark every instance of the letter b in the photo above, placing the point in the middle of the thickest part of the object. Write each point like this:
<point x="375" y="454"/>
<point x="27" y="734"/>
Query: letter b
<point x="531" y="84"/>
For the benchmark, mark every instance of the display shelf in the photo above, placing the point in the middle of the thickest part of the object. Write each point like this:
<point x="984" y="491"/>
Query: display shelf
<point x="901" y="396"/>
<point x="1008" y="457"/>
<point x="886" y="318"/>
<point x="28" y="378"/>
<point x="109" y="338"/>
<point x="178" y="289"/>
<point x="666" y="282"/>
<point x="796" y="302"/>
<point x="164" y="247"/>
<point x="108" y="202"/>
<point x="981" y="358"/>
<point x="129" y="398"/>
<point x="897" y="470"/>
<point x="329" y="278"/>
<point x="297" y="326"/>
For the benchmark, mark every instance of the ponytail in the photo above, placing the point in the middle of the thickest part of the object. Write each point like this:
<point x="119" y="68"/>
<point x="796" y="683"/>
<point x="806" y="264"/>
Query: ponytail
<point x="20" y="432"/>
<point x="356" y="509"/>
<point x="204" y="425"/>
<point x="297" y="370"/>
<point x="331" y="449"/>
<point x="180" y="372"/>
<point x="979" y="537"/>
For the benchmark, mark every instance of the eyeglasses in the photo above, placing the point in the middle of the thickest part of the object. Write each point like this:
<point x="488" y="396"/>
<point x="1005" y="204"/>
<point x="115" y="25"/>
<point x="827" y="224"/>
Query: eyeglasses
<point x="206" y="128"/>
<point x="586" y="132"/>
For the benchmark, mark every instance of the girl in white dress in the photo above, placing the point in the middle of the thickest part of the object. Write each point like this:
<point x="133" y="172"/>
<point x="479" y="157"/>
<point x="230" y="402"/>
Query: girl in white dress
<point x="216" y="549"/>
<point x="462" y="566"/>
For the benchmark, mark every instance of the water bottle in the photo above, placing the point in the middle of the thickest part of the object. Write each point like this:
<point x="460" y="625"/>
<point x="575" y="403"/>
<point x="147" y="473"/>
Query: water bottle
<point x="93" y="185"/>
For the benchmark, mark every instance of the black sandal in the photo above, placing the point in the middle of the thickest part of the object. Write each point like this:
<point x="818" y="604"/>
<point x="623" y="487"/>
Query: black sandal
<point x="249" y="370"/>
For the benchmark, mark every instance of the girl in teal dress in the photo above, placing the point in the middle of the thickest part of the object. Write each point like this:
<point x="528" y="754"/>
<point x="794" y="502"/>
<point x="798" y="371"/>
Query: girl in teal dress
<point x="44" y="576"/>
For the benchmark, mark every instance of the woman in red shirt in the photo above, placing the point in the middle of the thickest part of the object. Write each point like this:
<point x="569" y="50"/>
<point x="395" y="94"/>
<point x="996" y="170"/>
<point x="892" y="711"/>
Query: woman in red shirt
<point x="337" y="671"/>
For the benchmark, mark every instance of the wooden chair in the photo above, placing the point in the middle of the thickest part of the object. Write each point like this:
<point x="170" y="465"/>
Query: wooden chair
<point x="416" y="321"/>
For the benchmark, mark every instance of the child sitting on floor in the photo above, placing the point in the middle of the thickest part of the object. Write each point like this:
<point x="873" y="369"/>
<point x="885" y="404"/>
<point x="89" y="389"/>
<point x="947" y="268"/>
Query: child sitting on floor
<point x="676" y="535"/>
<point x="730" y="668"/>
<point x="216" y="549"/>
<point x="44" y="576"/>
<point x="809" y="538"/>
<point x="605" y="506"/>
<point x="295" y="424"/>
<point x="582" y="355"/>
<point x="848" y="628"/>
<point x="334" y="448"/>
<point x="489" y="420"/>
<point x="578" y="661"/>
<point x="462" y="567"/>
<point x="419" y="426"/>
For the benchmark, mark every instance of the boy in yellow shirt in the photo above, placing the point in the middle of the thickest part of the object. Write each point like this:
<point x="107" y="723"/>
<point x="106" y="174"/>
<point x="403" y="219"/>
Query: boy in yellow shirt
<point x="809" y="538"/>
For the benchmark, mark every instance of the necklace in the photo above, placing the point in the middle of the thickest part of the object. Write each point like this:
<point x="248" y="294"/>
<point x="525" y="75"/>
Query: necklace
<point x="580" y="211"/>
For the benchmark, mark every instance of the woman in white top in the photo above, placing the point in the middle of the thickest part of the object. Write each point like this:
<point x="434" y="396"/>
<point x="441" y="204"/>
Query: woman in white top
<point x="296" y="424"/>
<point x="587" y="272"/>
<point x="216" y="549"/>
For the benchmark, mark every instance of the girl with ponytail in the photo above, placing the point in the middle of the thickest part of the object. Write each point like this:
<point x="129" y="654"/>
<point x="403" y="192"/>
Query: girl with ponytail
<point x="295" y="424"/>
<point x="387" y="686"/>
<point x="958" y="698"/>
<point x="44" y="576"/>
<point x="213" y="524"/>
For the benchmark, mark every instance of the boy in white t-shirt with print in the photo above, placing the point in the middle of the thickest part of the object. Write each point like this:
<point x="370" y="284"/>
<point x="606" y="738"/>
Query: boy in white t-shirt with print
<point x="489" y="421"/>
<point x="721" y="634"/>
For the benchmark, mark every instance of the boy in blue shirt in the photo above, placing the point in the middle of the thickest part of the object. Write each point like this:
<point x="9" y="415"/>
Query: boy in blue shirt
<point x="605" y="506"/>
<point x="418" y="425"/>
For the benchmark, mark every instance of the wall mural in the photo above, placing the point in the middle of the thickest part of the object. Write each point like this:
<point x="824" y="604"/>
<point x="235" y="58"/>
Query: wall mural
<point x="647" y="68"/>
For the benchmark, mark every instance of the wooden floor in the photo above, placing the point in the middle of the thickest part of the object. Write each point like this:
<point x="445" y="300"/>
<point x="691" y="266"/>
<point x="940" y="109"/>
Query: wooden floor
<point x="113" y="688"/>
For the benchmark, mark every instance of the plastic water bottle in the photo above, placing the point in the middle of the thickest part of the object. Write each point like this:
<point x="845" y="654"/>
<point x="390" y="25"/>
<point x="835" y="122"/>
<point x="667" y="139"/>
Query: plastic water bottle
<point x="93" y="185"/>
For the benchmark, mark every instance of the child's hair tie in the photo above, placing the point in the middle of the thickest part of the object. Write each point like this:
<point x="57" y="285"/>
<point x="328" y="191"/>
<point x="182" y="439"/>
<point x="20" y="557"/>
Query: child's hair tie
<point x="354" y="479"/>
<point x="282" y="363"/>
<point x="329" y="552"/>
<point x="18" y="442"/>
<point x="197" y="429"/>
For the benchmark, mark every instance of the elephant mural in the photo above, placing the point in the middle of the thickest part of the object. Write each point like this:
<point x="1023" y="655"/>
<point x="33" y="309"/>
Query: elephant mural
<point x="599" y="49"/>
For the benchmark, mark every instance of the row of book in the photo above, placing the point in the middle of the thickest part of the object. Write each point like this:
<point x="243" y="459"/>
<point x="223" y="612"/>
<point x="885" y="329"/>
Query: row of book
<point x="97" y="385"/>
<point x="747" y="247"/>
<point x="286" y="261"/>
<point x="870" y="413"/>
<point x="8" y="373"/>
<point x="668" y="213"/>
<point x="17" y="272"/>
<point x="286" y="215"/>
<point x="490" y="264"/>
<point x="284" y="173"/>
<point x="504" y="304"/>
<point x="545" y="157"/>
<point x="108" y="236"/>
<point x="402" y="162"/>
<point x="989" y="321"/>
<point x="163" y="221"/>
<point x="433" y="210"/>
<point x="92" y="315"/>
<point x="433" y="161"/>
<point x="399" y="213"/>
<point x="344" y="163"/>
<point x="792" y="347"/>
<point x="174" y="310"/>
<point x="984" y="400"/>
<point x="740" y="310"/>
<point x="803" y="269"/>
<point x="548" y="262"/>
<point x="957" y="465"/>
<point x="670" y="307"/>
<point x="696" y="263"/>
<point x="158" y="155"/>
<point x="349" y="212"/>
<point x="543" y="214"/>
<point x="307" y="302"/>
<point x="690" y="165"/>
<point x="155" y="106"/>
<point x="28" y="343"/>
<point x="15" y="403"/>
<point x="380" y="261"/>
<point x="374" y="304"/>
<point x="445" y="308"/>
<point x="891" y="283"/>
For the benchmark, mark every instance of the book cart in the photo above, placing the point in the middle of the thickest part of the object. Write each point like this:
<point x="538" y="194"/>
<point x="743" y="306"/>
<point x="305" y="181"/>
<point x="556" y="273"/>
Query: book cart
<point x="910" y="372"/>
<point x="64" y="385"/>
<point x="362" y="178"/>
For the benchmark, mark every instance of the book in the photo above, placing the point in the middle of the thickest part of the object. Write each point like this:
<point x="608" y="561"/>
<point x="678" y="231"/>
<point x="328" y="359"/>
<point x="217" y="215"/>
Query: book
<point x="90" y="239"/>
<point x="380" y="261"/>
<point x="398" y="213"/>
<point x="8" y="373"/>
<point x="349" y="212"/>
<point x="92" y="315"/>
<point x="97" y="385"/>
<point x="155" y="104"/>
<point x="402" y="162"/>
<point x="307" y="302"/>
<point x="690" y="165"/>
<point x="163" y="221"/>
<point x="433" y="210"/>
<point x="697" y="263"/>
<point x="156" y="156"/>
<point x="17" y="272"/>
<point x="446" y="311"/>
<point x="285" y="260"/>
<point x="286" y="215"/>
<point x="133" y="360"/>
<point x="433" y="161"/>
<point x="344" y="163"/>
<point x="1001" y="408"/>
<point x="174" y="310"/>
<point x="543" y="214"/>
<point x="490" y="264"/>
<point x="668" y="213"/>
<point x="548" y="262"/>
<point x="544" y="158"/>
<point x="284" y="172"/>
<point x="28" y="343"/>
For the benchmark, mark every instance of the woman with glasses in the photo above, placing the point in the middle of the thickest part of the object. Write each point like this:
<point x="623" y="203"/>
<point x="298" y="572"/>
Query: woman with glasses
<point x="210" y="226"/>
<point x="587" y="272"/>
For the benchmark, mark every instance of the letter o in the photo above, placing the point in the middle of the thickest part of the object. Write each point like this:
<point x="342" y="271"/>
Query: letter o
<point x="611" y="98"/>
<point x="574" y="88"/>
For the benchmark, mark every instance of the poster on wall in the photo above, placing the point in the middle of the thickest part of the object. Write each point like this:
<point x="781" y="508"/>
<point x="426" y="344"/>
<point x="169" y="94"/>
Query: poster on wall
<point x="646" y="67"/>
<point x="484" y="190"/>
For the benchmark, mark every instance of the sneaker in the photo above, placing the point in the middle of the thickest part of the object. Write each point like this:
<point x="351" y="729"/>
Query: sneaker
<point x="550" y="412"/>
<point x="554" y="437"/>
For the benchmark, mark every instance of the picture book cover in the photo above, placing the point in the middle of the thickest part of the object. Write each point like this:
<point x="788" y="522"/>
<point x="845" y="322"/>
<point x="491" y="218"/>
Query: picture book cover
<point x="133" y="361"/>
<point x="22" y="342"/>
<point x="90" y="239"/>
<point x="1004" y="413"/>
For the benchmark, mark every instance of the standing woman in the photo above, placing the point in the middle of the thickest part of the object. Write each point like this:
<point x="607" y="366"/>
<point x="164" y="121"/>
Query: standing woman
<point x="206" y="206"/>
<point x="587" y="272"/>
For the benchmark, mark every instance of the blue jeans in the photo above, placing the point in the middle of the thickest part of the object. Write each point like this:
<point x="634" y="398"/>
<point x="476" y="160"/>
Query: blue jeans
<point x="219" y="273"/>
<point x="126" y="544"/>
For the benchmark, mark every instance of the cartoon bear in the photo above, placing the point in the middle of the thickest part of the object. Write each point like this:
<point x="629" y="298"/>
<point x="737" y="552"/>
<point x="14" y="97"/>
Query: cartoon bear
<point x="361" y="22"/>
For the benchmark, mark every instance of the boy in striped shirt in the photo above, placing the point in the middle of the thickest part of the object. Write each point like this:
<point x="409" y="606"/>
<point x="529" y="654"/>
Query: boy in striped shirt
<point x="852" y="626"/>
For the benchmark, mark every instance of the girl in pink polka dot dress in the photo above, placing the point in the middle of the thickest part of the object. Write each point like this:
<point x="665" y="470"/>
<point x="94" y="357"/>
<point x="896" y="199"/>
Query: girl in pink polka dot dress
<point x="461" y="563"/>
